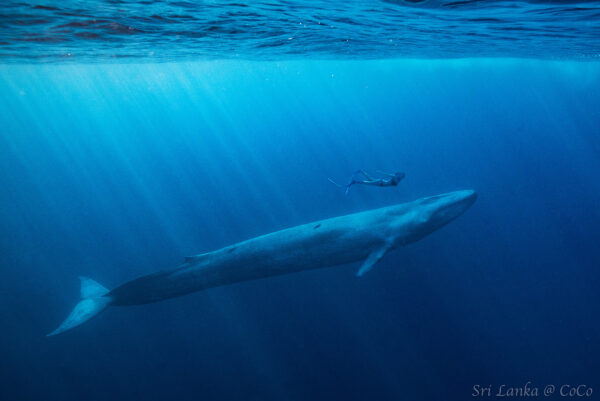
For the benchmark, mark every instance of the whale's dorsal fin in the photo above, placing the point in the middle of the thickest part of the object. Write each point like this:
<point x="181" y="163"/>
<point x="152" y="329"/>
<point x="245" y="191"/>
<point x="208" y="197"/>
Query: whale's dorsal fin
<point x="374" y="257"/>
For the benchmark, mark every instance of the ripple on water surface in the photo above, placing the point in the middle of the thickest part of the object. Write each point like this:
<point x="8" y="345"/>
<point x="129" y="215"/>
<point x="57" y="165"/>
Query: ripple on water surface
<point x="275" y="29"/>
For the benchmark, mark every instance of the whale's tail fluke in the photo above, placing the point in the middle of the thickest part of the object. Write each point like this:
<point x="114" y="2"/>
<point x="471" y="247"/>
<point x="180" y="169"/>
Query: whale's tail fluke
<point x="92" y="303"/>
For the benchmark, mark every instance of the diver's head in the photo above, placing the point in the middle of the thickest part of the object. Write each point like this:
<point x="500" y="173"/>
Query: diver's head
<point x="398" y="177"/>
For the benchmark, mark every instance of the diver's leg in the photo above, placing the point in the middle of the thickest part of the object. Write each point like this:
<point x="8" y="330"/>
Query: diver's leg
<point x="363" y="172"/>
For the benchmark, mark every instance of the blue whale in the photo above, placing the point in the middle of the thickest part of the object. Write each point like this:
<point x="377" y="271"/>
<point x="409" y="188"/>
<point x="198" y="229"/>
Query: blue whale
<point x="365" y="236"/>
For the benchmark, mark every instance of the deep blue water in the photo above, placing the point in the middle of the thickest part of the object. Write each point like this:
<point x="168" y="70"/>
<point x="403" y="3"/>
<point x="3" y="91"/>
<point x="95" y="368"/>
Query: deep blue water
<point x="135" y="133"/>
<point x="116" y="171"/>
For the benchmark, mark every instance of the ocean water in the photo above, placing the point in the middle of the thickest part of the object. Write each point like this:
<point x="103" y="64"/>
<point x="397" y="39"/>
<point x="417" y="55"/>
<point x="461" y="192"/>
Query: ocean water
<point x="124" y="150"/>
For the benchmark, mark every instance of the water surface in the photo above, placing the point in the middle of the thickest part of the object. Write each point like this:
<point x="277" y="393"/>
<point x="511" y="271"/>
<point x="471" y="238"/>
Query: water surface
<point x="181" y="30"/>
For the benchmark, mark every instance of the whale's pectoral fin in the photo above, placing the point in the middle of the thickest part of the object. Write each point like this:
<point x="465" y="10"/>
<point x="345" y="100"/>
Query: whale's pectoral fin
<point x="92" y="303"/>
<point x="373" y="258"/>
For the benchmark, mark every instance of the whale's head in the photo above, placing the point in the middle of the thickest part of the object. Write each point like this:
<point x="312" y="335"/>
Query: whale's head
<point x="426" y="215"/>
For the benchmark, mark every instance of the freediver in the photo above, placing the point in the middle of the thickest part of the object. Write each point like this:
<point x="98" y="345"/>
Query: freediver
<point x="394" y="179"/>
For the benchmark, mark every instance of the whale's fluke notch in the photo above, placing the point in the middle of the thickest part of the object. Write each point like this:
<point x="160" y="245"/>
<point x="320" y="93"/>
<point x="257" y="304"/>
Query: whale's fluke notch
<point x="92" y="303"/>
<point x="91" y="288"/>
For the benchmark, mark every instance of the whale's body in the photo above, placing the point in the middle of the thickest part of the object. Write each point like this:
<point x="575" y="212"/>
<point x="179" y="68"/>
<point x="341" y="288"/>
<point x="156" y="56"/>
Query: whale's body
<point x="365" y="236"/>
